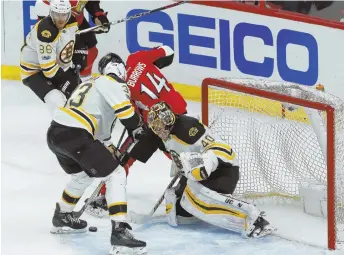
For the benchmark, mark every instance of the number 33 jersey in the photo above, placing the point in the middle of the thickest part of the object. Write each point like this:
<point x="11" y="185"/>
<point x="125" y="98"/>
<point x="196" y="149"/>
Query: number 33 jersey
<point x="189" y="135"/>
<point x="147" y="84"/>
<point x="94" y="106"/>
<point x="47" y="48"/>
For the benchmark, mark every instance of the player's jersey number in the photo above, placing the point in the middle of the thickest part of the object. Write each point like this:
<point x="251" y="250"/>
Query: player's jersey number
<point x="79" y="95"/>
<point x="159" y="84"/>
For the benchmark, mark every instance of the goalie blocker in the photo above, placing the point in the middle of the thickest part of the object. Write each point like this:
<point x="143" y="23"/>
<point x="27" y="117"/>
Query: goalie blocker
<point x="212" y="173"/>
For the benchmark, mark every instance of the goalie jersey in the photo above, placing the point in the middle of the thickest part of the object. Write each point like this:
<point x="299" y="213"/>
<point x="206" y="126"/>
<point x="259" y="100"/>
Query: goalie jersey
<point x="94" y="105"/>
<point x="189" y="135"/>
<point x="47" y="48"/>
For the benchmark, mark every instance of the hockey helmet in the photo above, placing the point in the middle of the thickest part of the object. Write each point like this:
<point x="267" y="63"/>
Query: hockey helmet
<point x="111" y="63"/>
<point x="161" y="119"/>
<point x="60" y="12"/>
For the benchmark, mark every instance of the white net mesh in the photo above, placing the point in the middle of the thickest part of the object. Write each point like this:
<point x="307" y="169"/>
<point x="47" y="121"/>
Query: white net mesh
<point x="278" y="148"/>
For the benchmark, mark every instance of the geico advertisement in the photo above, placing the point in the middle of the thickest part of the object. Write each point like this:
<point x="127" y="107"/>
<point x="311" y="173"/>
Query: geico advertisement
<point x="225" y="45"/>
<point x="217" y="42"/>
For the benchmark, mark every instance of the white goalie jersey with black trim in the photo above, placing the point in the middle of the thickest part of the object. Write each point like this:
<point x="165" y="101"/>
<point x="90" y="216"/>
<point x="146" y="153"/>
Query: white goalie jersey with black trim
<point x="200" y="139"/>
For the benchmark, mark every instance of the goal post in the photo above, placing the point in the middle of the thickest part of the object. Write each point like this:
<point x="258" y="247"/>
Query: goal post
<point x="248" y="115"/>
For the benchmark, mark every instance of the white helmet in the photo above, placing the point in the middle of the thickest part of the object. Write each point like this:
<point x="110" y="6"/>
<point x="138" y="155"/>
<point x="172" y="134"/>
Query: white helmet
<point x="112" y="63"/>
<point x="60" y="6"/>
<point x="60" y="9"/>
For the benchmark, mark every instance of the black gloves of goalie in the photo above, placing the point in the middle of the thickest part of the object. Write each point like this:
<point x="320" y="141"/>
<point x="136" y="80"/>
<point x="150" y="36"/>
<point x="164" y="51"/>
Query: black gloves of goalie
<point x="139" y="132"/>
<point x="101" y="17"/>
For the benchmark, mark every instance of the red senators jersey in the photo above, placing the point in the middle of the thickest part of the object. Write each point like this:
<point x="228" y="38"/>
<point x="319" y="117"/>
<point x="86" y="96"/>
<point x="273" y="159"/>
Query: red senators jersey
<point x="148" y="85"/>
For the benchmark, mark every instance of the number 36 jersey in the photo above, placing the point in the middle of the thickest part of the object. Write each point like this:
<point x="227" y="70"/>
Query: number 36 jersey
<point x="94" y="105"/>
<point x="189" y="135"/>
<point x="47" y="48"/>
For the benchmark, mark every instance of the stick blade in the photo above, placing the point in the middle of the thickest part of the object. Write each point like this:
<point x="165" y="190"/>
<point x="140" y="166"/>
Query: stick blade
<point x="137" y="218"/>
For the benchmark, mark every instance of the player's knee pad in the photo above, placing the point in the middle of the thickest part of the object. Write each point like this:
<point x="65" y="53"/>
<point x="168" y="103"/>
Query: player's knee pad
<point x="78" y="183"/>
<point x="117" y="177"/>
<point x="217" y="209"/>
<point x="74" y="190"/>
<point x="116" y="197"/>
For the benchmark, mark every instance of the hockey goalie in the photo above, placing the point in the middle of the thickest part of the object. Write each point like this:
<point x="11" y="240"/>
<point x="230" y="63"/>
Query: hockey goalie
<point x="210" y="175"/>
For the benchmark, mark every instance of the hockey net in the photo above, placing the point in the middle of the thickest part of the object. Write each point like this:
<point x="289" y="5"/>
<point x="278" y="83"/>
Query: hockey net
<point x="285" y="136"/>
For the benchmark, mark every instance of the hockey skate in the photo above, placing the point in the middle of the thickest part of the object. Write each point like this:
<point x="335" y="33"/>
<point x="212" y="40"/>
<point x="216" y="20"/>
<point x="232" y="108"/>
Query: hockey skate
<point x="67" y="223"/>
<point x="123" y="242"/>
<point x="261" y="227"/>
<point x="98" y="208"/>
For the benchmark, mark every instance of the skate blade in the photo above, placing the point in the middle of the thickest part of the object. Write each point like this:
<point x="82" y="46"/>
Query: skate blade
<point x="266" y="231"/>
<point x="127" y="250"/>
<point x="66" y="230"/>
<point x="137" y="218"/>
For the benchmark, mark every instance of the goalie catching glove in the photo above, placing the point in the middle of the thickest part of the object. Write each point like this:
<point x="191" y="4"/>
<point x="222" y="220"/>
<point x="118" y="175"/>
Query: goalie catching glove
<point x="198" y="166"/>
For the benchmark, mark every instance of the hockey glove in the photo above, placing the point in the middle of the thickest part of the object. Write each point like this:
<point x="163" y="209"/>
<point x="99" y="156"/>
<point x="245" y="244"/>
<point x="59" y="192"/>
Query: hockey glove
<point x="70" y="81"/>
<point x="197" y="166"/>
<point x="123" y="158"/>
<point x="139" y="132"/>
<point x="80" y="55"/>
<point x="100" y="18"/>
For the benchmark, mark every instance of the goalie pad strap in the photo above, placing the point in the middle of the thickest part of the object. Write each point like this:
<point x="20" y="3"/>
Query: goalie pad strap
<point x="220" y="210"/>
<point x="228" y="200"/>
<point x="212" y="211"/>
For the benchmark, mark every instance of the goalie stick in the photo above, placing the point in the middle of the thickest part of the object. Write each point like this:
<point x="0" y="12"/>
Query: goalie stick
<point x="142" y="218"/>
<point x="138" y="15"/>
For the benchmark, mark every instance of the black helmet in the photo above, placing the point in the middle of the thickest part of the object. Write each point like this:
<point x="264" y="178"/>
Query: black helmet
<point x="109" y="57"/>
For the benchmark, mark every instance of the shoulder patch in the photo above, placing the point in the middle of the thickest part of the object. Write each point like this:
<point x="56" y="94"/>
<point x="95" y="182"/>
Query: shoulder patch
<point x="47" y="31"/>
<point x="193" y="131"/>
<point x="188" y="129"/>
<point x="46" y="34"/>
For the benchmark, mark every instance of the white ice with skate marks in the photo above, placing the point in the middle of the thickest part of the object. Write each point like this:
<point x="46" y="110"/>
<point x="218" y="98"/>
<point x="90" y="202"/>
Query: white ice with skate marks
<point x="32" y="182"/>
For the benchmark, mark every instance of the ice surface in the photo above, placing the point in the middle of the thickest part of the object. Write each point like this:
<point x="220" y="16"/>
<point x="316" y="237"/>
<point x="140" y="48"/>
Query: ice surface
<point x="32" y="182"/>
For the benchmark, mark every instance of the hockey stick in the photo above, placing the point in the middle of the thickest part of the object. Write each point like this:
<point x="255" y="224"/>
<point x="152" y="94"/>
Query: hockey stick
<point x="132" y="17"/>
<point x="100" y="185"/>
<point x="142" y="218"/>
<point x="90" y="200"/>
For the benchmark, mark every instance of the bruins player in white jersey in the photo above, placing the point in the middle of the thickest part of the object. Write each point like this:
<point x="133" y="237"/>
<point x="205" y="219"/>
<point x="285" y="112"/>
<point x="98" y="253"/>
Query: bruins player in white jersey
<point x="77" y="136"/>
<point x="211" y="171"/>
<point x="46" y="57"/>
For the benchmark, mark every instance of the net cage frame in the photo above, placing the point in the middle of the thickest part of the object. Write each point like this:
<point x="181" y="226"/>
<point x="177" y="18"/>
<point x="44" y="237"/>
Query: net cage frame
<point x="225" y="83"/>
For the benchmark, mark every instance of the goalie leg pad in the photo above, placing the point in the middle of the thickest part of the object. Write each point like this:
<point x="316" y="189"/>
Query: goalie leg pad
<point x="224" y="211"/>
<point x="214" y="211"/>
<point x="170" y="200"/>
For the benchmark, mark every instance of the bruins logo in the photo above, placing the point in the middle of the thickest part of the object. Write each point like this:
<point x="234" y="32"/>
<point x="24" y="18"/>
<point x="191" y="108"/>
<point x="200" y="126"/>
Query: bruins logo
<point x="66" y="53"/>
<point x="193" y="131"/>
<point x="46" y="34"/>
